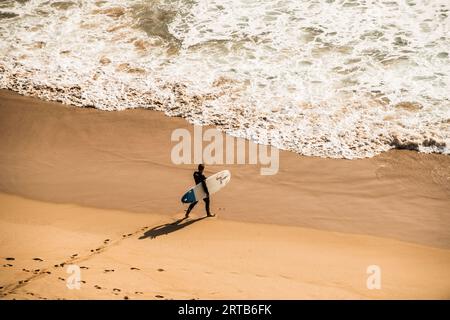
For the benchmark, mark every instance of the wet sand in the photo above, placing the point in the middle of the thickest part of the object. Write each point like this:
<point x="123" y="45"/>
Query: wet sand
<point x="309" y="231"/>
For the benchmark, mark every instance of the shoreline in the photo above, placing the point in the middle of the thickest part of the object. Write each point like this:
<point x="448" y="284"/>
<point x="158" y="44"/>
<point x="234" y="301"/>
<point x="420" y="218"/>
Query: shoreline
<point x="62" y="154"/>
<point x="98" y="191"/>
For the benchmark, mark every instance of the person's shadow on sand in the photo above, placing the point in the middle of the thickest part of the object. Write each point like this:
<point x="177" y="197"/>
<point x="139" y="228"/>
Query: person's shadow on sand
<point x="168" y="228"/>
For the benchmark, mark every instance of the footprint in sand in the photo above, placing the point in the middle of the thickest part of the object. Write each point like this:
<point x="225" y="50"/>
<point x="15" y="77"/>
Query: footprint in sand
<point x="118" y="290"/>
<point x="97" y="287"/>
<point x="47" y="272"/>
<point x="106" y="241"/>
<point x="82" y="281"/>
<point x="38" y="259"/>
<point x="109" y="270"/>
<point x="138" y="292"/>
<point x="133" y="268"/>
<point x="83" y="267"/>
<point x="161" y="270"/>
<point x="74" y="255"/>
<point x="8" y="265"/>
<point x="62" y="279"/>
<point x="159" y="296"/>
<point x="26" y="270"/>
<point x="10" y="259"/>
<point x="126" y="298"/>
<point x="36" y="271"/>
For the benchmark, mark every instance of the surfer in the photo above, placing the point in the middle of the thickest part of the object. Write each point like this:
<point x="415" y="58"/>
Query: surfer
<point x="199" y="177"/>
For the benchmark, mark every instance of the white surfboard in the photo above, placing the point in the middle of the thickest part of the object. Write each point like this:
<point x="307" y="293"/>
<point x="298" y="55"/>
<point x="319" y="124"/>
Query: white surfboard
<point x="214" y="183"/>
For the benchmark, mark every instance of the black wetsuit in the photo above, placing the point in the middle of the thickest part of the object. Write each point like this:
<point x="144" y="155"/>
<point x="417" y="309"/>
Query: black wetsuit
<point x="200" y="178"/>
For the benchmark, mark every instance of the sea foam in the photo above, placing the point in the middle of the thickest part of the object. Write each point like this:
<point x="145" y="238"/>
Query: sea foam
<point x="342" y="79"/>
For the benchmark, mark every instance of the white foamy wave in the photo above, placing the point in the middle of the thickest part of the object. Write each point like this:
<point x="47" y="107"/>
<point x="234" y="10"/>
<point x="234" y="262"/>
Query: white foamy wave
<point x="333" y="78"/>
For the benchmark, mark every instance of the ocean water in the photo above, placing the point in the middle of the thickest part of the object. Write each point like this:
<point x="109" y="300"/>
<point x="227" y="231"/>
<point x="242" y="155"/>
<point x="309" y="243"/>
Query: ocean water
<point x="330" y="78"/>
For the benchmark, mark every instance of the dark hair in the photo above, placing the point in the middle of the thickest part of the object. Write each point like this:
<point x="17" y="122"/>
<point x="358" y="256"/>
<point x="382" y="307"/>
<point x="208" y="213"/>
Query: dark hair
<point x="201" y="167"/>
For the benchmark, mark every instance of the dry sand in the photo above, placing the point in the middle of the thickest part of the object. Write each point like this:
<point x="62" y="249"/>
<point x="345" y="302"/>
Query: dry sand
<point x="201" y="258"/>
<point x="310" y="231"/>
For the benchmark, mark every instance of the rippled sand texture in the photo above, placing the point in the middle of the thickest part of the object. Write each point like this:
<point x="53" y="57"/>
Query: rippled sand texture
<point x="344" y="79"/>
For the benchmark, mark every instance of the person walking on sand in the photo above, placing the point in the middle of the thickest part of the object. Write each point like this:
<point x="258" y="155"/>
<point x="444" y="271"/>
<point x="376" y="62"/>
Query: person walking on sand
<point x="199" y="177"/>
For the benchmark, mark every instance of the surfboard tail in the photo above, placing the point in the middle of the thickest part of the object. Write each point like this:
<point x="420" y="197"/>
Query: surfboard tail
<point x="188" y="197"/>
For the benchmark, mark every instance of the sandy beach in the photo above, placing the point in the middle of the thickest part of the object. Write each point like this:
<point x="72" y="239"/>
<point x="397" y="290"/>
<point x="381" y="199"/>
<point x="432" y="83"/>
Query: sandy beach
<point x="99" y="190"/>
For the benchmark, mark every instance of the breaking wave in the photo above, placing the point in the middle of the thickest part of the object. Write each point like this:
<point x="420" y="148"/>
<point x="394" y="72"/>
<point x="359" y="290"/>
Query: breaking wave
<point x="331" y="78"/>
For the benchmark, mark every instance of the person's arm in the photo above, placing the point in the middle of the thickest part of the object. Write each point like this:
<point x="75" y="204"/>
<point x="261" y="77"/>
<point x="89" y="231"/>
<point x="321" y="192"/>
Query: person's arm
<point x="204" y="186"/>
